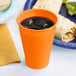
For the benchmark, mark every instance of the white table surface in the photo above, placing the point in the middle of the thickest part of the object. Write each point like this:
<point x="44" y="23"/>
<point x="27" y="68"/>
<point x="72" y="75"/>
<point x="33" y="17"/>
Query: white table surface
<point x="62" y="61"/>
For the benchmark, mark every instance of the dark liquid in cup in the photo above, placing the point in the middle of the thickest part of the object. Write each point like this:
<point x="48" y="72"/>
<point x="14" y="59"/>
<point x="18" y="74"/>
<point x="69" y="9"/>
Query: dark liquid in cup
<point x="37" y="23"/>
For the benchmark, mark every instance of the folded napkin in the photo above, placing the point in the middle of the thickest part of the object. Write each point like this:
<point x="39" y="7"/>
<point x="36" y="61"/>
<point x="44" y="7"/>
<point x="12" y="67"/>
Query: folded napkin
<point x="8" y="52"/>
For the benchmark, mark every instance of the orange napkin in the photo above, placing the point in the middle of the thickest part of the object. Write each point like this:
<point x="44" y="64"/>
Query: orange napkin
<point x="8" y="52"/>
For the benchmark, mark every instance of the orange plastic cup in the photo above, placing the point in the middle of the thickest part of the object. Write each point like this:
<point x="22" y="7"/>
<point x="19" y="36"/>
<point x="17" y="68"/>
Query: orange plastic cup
<point x="37" y="44"/>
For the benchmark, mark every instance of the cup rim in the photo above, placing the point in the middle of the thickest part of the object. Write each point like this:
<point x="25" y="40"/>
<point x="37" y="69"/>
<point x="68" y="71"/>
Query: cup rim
<point x="19" y="23"/>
